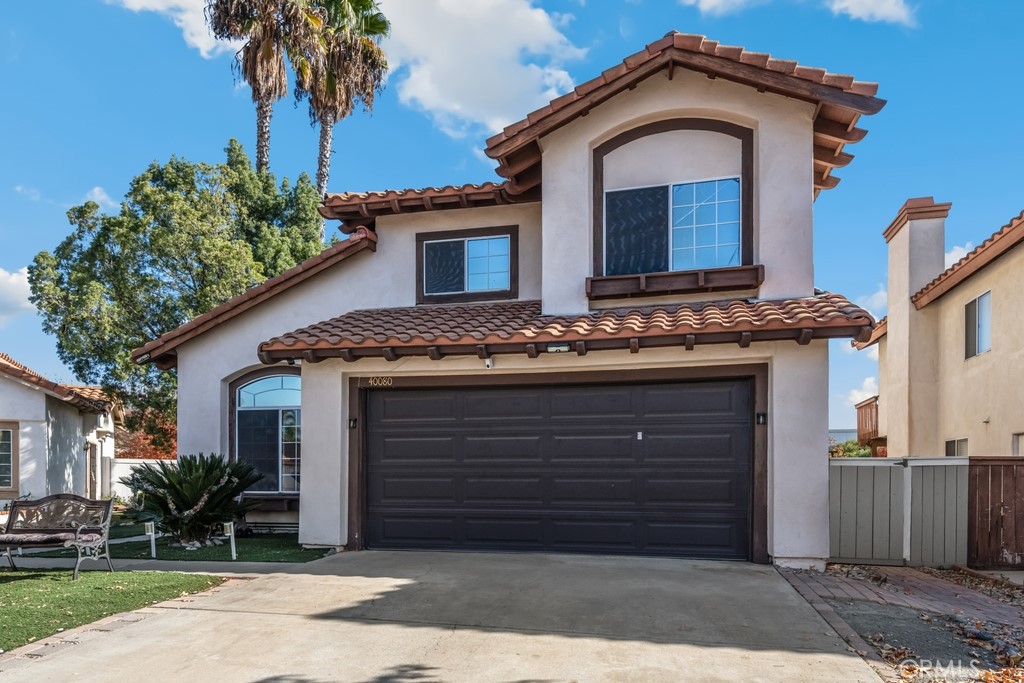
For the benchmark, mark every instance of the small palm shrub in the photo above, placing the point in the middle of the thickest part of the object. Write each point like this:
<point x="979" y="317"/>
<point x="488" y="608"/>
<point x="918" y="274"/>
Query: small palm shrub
<point x="191" y="498"/>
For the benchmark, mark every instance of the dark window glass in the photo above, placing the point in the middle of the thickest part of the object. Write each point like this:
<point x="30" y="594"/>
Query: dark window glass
<point x="444" y="266"/>
<point x="636" y="231"/>
<point x="259" y="443"/>
<point x="950" y="449"/>
<point x="971" y="329"/>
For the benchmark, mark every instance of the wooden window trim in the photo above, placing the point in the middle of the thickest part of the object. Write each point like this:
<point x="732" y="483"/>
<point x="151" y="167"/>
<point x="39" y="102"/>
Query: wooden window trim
<point x="359" y="387"/>
<point x="233" y="387"/>
<point x="513" y="265"/>
<point x="15" y="457"/>
<point x="741" y="133"/>
<point x="675" y="282"/>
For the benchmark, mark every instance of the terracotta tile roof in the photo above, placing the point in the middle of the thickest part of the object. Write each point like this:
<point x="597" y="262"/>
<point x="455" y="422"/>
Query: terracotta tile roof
<point x="840" y="98"/>
<point x="519" y="326"/>
<point x="85" y="398"/>
<point x="1001" y="242"/>
<point x="880" y="329"/>
<point x="360" y="208"/>
<point x="162" y="350"/>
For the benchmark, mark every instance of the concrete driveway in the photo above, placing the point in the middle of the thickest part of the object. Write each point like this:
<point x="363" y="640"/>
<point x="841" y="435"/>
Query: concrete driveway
<point x="396" y="617"/>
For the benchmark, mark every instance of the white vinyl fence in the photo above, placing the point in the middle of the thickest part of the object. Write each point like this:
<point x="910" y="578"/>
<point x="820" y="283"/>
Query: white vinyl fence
<point x="898" y="511"/>
<point x="122" y="467"/>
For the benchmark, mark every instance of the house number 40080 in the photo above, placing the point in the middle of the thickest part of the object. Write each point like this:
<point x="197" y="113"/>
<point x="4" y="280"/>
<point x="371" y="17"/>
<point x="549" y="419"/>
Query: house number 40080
<point x="381" y="381"/>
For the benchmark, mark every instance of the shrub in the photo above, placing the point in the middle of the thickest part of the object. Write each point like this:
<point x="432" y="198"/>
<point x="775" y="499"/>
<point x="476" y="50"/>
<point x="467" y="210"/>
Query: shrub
<point x="847" y="449"/>
<point x="191" y="498"/>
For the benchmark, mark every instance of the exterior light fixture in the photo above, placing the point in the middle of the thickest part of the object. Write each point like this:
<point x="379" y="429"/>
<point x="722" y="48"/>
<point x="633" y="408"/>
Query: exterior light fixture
<point x="558" y="347"/>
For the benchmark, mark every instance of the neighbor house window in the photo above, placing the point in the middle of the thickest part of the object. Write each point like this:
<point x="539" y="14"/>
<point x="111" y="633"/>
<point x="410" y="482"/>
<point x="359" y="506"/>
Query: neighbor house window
<point x="1017" y="444"/>
<point x="9" y="456"/>
<point x="467" y="265"/>
<point x="686" y="226"/>
<point x="956" y="447"/>
<point x="268" y="430"/>
<point x="978" y="326"/>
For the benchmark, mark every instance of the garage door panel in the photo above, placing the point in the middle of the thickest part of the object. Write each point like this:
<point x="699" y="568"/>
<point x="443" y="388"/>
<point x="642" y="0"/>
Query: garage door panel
<point x="499" y="407"/>
<point x="695" y="446"/>
<point x="490" y="448"/>
<point x="399" y="490"/>
<point x="563" y="469"/>
<point x="593" y="490"/>
<point x="395" y="450"/>
<point x="406" y="407"/>
<point x="722" y="400"/>
<point x="576" y="404"/>
<point x="501" y="491"/>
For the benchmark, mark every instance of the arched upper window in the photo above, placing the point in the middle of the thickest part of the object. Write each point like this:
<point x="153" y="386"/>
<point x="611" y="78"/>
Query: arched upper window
<point x="268" y="429"/>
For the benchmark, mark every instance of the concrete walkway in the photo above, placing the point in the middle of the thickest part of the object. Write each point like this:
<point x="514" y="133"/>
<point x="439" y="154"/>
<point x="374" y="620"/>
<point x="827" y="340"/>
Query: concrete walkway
<point x="425" y="617"/>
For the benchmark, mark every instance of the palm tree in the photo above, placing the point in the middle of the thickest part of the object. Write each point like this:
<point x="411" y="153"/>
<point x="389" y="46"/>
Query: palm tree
<point x="272" y="30"/>
<point x="350" y="66"/>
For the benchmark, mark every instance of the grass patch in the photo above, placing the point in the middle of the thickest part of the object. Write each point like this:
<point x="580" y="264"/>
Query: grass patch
<point x="37" y="603"/>
<point x="259" y="548"/>
<point x="121" y="526"/>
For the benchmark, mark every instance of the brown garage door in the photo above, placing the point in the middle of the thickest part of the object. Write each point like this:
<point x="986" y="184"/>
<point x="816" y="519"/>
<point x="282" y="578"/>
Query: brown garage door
<point x="654" y="469"/>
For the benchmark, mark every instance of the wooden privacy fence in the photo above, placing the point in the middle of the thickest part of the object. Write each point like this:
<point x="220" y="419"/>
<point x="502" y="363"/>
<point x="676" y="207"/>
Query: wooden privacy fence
<point x="995" y="531"/>
<point x="899" y="511"/>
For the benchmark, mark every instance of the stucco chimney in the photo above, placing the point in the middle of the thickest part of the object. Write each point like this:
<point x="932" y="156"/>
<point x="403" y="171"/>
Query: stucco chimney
<point x="916" y="239"/>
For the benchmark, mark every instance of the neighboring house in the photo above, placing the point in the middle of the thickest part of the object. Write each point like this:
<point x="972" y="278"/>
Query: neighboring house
<point x="54" y="438"/>
<point x="619" y="349"/>
<point x="951" y="350"/>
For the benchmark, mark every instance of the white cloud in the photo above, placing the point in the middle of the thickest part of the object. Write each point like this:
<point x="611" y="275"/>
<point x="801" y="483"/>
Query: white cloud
<point x="868" y="388"/>
<point x="186" y="15"/>
<point x="873" y="352"/>
<point x="28" y="192"/>
<point x="957" y="253"/>
<point x="477" y="65"/>
<point x="894" y="11"/>
<point x="100" y="196"/>
<point x="717" y="7"/>
<point x="14" y="294"/>
<point x="877" y="303"/>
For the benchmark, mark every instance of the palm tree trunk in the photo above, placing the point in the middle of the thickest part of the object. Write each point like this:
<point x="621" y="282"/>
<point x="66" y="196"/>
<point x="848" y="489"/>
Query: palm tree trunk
<point x="264" y="110"/>
<point x="323" y="161"/>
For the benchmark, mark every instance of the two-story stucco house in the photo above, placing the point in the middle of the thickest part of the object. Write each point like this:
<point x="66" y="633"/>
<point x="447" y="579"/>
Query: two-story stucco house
<point x="950" y="352"/>
<point x="54" y="438"/>
<point x="618" y="349"/>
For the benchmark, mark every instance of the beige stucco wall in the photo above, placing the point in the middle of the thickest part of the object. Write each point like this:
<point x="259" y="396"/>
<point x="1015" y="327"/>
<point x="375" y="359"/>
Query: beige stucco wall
<point x="911" y="379"/>
<point x="679" y="156"/>
<point x="883" y="399"/>
<point x="209" y="362"/>
<point x="798" y="393"/>
<point x="982" y="398"/>
<point x="783" y="179"/>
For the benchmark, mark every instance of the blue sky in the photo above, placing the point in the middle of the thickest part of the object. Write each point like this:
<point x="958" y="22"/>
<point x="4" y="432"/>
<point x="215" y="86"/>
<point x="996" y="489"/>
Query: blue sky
<point x="100" y="89"/>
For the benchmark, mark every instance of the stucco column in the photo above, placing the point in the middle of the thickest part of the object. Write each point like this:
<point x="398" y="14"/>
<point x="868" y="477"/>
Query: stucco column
<point x="322" y="502"/>
<point x="798" y="456"/>
<point x="916" y="240"/>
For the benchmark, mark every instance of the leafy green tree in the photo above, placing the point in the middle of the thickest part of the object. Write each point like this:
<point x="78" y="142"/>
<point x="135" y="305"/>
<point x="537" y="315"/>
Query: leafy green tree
<point x="188" y="237"/>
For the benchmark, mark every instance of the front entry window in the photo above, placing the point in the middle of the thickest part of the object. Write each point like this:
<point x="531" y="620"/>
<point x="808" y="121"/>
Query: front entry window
<point x="269" y="430"/>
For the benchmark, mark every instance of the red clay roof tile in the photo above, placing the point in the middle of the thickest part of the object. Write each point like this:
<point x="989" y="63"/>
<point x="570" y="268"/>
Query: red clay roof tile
<point x="521" y="322"/>
<point x="90" y="399"/>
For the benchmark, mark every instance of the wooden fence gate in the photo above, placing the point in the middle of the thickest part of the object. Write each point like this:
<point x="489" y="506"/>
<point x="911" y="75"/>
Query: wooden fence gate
<point x="995" y="498"/>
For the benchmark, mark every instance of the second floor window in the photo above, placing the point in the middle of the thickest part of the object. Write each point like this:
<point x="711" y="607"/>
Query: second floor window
<point x="475" y="264"/>
<point x="978" y="326"/>
<point x="686" y="226"/>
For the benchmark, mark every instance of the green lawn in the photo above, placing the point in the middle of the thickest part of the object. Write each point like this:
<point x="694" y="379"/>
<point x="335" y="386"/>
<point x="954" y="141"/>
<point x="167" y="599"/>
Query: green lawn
<point x="259" y="548"/>
<point x="123" y="527"/>
<point x="36" y="603"/>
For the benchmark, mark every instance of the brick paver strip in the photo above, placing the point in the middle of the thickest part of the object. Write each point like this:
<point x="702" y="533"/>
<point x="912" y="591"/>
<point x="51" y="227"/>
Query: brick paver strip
<point x="806" y="585"/>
